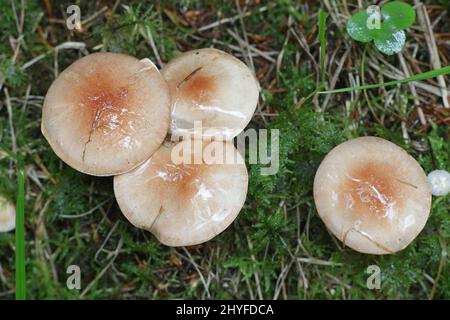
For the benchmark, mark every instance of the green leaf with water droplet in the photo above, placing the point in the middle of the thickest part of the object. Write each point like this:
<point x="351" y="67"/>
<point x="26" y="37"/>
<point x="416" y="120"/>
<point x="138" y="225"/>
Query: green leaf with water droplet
<point x="389" y="40"/>
<point x="389" y="37"/>
<point x="399" y="15"/>
<point x="357" y="27"/>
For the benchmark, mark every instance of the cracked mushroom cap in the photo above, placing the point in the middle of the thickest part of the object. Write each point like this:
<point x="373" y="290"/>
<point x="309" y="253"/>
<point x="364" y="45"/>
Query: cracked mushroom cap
<point x="106" y="113"/>
<point x="184" y="203"/>
<point x="7" y="215"/>
<point x="372" y="195"/>
<point x="213" y="87"/>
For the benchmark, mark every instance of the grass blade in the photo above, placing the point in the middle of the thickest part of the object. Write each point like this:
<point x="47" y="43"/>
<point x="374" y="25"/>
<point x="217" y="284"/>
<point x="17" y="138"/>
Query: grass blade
<point x="417" y="77"/>
<point x="20" y="238"/>
<point x="323" y="40"/>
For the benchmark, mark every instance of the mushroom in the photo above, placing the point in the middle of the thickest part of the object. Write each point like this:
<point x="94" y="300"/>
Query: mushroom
<point x="213" y="87"/>
<point x="7" y="215"/>
<point x="372" y="195"/>
<point x="184" y="203"/>
<point x="106" y="113"/>
<point x="439" y="182"/>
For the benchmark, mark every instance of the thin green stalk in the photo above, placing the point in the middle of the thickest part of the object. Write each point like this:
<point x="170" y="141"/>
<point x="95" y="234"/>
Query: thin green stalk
<point x="309" y="96"/>
<point x="417" y="77"/>
<point x="20" y="237"/>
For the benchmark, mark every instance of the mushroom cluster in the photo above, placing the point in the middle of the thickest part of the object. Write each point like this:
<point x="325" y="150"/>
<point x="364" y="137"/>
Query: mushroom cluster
<point x="114" y="115"/>
<point x="110" y="114"/>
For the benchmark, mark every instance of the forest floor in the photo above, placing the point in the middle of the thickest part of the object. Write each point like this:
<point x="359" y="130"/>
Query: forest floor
<point x="278" y="248"/>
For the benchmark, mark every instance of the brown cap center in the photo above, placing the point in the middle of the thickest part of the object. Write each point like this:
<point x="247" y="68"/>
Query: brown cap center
<point x="197" y="88"/>
<point x="179" y="179"/>
<point x="371" y="189"/>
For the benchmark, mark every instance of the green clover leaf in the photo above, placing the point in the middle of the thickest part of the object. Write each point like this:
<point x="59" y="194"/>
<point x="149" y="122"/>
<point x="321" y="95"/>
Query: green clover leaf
<point x="389" y="41"/>
<point x="388" y="35"/>
<point x="398" y="14"/>
<point x="357" y="27"/>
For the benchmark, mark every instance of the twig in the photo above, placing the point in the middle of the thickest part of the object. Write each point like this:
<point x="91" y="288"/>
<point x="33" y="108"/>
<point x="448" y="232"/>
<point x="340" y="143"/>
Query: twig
<point x="396" y="74"/>
<point x="285" y="42"/>
<point x="90" y="211"/>
<point x="41" y="234"/>
<point x="63" y="46"/>
<point x="202" y="279"/>
<point x="93" y="17"/>
<point x="108" y="236"/>
<point x="444" y="255"/>
<point x="335" y="77"/>
<point x="304" y="45"/>
<point x="113" y="258"/>
<point x="10" y="119"/>
<point x="231" y="19"/>
<point x="147" y="33"/>
<point x="251" y="48"/>
<point x="258" y="285"/>
<point x="412" y="88"/>
<point x="435" y="60"/>
<point x="319" y="262"/>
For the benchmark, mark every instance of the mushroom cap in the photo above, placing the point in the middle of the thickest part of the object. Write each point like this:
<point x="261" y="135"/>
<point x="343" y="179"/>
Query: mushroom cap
<point x="7" y="215"/>
<point x="188" y="203"/>
<point x="106" y="113"/>
<point x="372" y="195"/>
<point x="213" y="87"/>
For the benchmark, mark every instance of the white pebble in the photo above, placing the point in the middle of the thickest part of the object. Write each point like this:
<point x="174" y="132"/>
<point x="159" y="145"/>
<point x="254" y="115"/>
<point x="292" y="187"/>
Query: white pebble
<point x="439" y="182"/>
<point x="7" y="215"/>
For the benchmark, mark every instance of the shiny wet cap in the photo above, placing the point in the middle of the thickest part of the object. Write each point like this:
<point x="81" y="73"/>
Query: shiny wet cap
<point x="106" y="113"/>
<point x="185" y="203"/>
<point x="213" y="87"/>
<point x="372" y="195"/>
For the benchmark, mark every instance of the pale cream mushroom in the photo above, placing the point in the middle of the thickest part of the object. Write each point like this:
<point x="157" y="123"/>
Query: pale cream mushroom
<point x="106" y="113"/>
<point x="213" y="87"/>
<point x="184" y="203"/>
<point x="7" y="215"/>
<point x="372" y="195"/>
